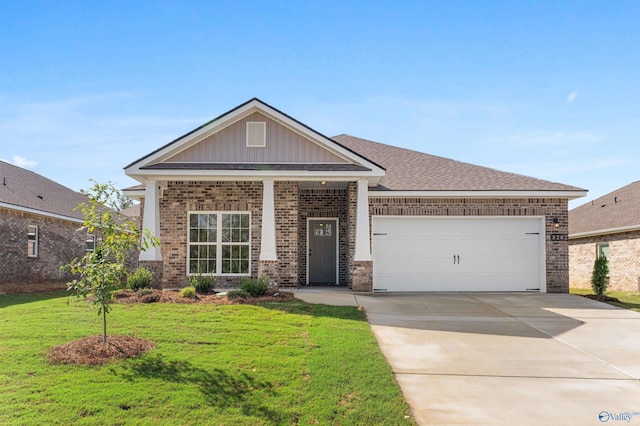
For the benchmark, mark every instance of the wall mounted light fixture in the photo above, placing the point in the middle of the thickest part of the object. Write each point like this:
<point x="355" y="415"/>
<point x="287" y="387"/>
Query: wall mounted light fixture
<point x="556" y="222"/>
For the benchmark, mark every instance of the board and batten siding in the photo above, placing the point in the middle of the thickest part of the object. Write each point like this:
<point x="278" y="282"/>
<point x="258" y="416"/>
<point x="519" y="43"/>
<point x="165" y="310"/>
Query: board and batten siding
<point x="282" y="146"/>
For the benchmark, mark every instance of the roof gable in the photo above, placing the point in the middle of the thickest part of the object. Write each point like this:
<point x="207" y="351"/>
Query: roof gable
<point x="25" y="190"/>
<point x="616" y="211"/>
<point x="283" y="145"/>
<point x="222" y="141"/>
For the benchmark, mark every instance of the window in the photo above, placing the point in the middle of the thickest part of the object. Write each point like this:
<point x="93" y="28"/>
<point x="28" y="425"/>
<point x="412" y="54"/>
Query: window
<point x="32" y="241"/>
<point x="603" y="250"/>
<point x="90" y="242"/>
<point x="219" y="243"/>
<point x="256" y="134"/>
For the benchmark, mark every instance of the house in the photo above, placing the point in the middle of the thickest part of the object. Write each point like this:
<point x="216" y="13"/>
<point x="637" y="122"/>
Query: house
<point x="255" y="192"/>
<point x="38" y="229"/>
<point x="608" y="226"/>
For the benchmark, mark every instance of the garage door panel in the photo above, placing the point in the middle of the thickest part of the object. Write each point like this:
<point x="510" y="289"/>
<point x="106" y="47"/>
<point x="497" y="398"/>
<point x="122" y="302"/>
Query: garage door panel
<point x="446" y="254"/>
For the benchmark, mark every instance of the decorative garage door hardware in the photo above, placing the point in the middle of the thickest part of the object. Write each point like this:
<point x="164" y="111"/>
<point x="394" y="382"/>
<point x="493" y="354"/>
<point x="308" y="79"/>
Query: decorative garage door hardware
<point x="456" y="259"/>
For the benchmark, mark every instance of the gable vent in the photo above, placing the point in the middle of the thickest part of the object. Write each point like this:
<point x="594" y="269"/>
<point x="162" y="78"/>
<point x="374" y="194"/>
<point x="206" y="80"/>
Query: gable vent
<point x="256" y="134"/>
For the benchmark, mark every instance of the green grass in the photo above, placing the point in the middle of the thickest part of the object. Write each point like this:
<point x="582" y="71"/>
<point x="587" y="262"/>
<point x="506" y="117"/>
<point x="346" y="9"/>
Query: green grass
<point x="284" y="363"/>
<point x="628" y="299"/>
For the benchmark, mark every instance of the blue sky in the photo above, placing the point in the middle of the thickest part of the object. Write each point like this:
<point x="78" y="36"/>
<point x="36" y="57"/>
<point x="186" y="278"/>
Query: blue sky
<point x="546" y="89"/>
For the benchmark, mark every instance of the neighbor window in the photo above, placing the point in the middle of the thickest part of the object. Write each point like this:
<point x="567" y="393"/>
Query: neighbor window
<point x="219" y="243"/>
<point x="90" y="242"/>
<point x="32" y="241"/>
<point x="603" y="250"/>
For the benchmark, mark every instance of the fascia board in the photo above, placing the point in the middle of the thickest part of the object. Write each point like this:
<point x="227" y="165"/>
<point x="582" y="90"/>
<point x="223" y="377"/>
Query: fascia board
<point x="40" y="212"/>
<point x="484" y="194"/>
<point x="609" y="231"/>
<point x="209" y="175"/>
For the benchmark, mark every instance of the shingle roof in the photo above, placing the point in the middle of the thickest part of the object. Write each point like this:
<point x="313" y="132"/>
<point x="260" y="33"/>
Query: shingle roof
<point x="617" y="209"/>
<point x="408" y="170"/>
<point x="26" y="189"/>
<point x="133" y="211"/>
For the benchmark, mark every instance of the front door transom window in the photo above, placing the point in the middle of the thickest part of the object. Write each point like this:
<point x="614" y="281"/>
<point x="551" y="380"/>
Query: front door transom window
<point x="219" y="243"/>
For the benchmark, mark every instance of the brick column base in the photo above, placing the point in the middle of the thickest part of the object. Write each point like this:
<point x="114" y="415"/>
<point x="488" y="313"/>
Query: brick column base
<point x="362" y="276"/>
<point x="155" y="266"/>
<point x="269" y="269"/>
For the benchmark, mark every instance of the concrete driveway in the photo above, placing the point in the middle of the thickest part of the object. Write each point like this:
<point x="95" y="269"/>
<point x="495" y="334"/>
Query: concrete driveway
<point x="506" y="358"/>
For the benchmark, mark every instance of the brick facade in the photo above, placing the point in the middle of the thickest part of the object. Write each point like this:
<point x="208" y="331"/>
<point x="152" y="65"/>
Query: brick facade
<point x="59" y="242"/>
<point x="624" y="260"/>
<point x="294" y="206"/>
<point x="182" y="197"/>
<point x="557" y="264"/>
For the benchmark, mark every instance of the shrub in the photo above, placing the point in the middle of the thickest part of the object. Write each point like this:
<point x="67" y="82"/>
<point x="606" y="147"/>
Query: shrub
<point x="145" y="291"/>
<point x="237" y="294"/>
<point x="202" y="284"/>
<point x="600" y="276"/>
<point x="189" y="292"/>
<point x="255" y="286"/>
<point x="141" y="278"/>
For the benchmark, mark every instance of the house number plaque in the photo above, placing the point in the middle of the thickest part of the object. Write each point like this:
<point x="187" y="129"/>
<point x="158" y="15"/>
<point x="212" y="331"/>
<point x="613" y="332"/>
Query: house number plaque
<point x="558" y="237"/>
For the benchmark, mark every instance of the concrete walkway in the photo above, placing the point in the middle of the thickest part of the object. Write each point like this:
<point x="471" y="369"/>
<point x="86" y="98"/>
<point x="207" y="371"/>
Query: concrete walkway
<point x="506" y="358"/>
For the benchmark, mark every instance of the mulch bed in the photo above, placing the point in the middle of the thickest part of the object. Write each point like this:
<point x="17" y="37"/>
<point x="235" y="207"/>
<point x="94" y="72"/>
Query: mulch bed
<point x="603" y="298"/>
<point x="173" y="296"/>
<point x="93" y="350"/>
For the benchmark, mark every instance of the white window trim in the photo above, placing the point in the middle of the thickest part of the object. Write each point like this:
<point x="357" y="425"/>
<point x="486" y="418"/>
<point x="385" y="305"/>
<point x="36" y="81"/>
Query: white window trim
<point x="252" y="128"/>
<point x="35" y="240"/>
<point x="599" y="249"/>
<point x="93" y="237"/>
<point x="218" y="243"/>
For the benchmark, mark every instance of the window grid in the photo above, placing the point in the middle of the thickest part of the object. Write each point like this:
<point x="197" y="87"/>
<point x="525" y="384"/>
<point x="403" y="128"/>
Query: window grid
<point x="219" y="243"/>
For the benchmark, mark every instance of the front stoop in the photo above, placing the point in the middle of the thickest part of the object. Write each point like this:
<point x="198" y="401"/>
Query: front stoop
<point x="362" y="276"/>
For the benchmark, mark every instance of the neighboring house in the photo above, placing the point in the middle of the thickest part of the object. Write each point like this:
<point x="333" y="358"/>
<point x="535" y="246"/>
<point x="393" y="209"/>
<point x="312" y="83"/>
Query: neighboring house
<point x="39" y="228"/>
<point x="255" y="192"/>
<point x="610" y="227"/>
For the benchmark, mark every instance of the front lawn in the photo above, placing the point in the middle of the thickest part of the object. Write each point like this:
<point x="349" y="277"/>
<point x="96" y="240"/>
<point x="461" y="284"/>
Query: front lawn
<point x="628" y="299"/>
<point x="278" y="363"/>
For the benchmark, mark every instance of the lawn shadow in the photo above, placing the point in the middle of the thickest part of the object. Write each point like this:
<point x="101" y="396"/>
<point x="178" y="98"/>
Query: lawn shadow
<point x="13" y="299"/>
<point x="220" y="388"/>
<point x="299" y="307"/>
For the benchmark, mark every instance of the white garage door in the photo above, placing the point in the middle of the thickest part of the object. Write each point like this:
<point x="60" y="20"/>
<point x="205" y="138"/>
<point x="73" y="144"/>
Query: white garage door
<point x="458" y="254"/>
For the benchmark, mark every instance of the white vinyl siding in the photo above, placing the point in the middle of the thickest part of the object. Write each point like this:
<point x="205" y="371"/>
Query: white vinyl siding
<point x="219" y="243"/>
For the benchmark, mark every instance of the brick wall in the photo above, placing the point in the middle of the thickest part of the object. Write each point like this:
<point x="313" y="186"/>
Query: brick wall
<point x="58" y="243"/>
<point x="324" y="203"/>
<point x="624" y="260"/>
<point x="557" y="263"/>
<point x="181" y="197"/>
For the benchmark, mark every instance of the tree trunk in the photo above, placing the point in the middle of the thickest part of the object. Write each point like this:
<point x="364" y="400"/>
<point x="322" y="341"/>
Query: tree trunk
<point x="104" y="323"/>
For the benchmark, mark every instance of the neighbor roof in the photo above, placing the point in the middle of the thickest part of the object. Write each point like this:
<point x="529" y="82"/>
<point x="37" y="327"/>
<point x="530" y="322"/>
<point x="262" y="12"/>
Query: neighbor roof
<point x="615" y="212"/>
<point x="25" y="190"/>
<point x="408" y="170"/>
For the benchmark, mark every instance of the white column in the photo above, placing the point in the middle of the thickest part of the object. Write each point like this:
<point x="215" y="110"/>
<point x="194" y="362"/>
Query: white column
<point x="151" y="219"/>
<point x="363" y="244"/>
<point x="268" y="240"/>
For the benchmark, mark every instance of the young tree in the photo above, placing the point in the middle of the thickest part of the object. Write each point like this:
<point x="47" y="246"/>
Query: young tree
<point x="600" y="275"/>
<point x="103" y="270"/>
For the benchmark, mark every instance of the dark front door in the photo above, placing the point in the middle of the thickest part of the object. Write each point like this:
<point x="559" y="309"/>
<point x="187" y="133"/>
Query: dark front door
<point x="323" y="251"/>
